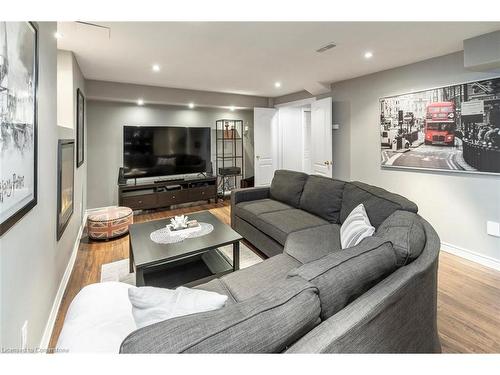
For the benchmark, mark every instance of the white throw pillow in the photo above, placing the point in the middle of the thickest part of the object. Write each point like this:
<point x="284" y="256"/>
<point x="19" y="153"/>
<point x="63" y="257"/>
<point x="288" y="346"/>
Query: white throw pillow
<point x="355" y="227"/>
<point x="151" y="305"/>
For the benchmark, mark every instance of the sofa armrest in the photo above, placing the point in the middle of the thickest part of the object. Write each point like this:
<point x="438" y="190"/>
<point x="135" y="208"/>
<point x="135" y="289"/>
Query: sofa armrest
<point x="344" y="275"/>
<point x="246" y="195"/>
<point x="249" y="194"/>
<point x="406" y="233"/>
<point x="398" y="315"/>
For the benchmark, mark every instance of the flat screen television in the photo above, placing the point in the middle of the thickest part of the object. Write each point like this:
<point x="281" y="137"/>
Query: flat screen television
<point x="153" y="151"/>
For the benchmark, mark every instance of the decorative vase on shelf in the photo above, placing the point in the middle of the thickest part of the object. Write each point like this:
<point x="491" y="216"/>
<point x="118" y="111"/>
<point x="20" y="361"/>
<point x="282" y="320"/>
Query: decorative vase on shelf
<point x="227" y="131"/>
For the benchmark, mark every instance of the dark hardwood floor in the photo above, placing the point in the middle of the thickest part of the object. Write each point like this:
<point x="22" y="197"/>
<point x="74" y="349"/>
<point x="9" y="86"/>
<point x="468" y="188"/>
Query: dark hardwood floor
<point x="468" y="294"/>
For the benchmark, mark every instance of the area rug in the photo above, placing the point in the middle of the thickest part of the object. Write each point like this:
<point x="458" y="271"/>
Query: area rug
<point x="119" y="270"/>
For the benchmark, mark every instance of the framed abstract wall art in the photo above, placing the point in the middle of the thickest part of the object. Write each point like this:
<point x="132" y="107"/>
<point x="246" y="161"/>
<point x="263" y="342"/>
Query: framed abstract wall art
<point x="18" y="121"/>
<point x="453" y="128"/>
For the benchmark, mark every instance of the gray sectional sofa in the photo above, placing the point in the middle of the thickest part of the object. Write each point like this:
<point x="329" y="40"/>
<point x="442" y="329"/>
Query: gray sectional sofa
<point x="311" y="296"/>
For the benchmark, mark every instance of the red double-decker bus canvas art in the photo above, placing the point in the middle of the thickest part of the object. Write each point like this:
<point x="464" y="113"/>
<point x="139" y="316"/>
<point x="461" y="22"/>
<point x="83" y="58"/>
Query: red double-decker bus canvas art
<point x="452" y="128"/>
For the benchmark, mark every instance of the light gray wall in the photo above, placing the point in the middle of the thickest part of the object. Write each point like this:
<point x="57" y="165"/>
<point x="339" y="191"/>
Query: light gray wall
<point x="457" y="205"/>
<point x="65" y="114"/>
<point x="105" y="138"/>
<point x="482" y="52"/>
<point x="67" y="240"/>
<point x="126" y="92"/>
<point x="341" y="143"/>
<point x="32" y="264"/>
<point x="294" y="96"/>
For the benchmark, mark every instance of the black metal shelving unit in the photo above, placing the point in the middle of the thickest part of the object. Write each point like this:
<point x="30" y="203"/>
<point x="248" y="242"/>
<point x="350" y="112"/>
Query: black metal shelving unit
<point x="229" y="153"/>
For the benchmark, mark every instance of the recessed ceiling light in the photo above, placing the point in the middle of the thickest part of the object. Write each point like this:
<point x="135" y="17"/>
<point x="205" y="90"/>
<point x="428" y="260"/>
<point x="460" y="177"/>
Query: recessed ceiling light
<point x="368" y="55"/>
<point x="191" y="105"/>
<point x="58" y="35"/>
<point x="156" y="68"/>
<point x="232" y="108"/>
<point x="277" y="84"/>
<point x="140" y="101"/>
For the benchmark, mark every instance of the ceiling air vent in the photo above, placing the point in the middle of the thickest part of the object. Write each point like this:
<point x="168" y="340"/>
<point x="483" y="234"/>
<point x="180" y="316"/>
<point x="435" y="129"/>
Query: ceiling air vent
<point x="93" y="29"/>
<point x="326" y="47"/>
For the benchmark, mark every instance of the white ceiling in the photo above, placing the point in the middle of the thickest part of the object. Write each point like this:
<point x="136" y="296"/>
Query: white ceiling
<point x="247" y="58"/>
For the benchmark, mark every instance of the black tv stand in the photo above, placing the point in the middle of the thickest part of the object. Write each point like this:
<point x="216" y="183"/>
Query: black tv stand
<point x="168" y="180"/>
<point x="166" y="193"/>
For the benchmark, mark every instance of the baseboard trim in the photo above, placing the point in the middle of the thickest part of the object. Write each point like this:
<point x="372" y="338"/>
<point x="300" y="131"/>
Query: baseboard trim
<point x="49" y="327"/>
<point x="481" y="259"/>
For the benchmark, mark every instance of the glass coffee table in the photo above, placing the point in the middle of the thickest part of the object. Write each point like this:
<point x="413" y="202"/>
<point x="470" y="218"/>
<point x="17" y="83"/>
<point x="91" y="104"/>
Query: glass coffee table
<point x="189" y="262"/>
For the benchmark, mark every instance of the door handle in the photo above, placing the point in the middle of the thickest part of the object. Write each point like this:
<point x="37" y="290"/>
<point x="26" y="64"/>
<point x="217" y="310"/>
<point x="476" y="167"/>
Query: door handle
<point x="257" y="157"/>
<point x="327" y="162"/>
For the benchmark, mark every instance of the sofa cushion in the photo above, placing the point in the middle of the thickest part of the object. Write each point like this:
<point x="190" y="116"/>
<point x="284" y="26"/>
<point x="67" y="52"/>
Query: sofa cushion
<point x="266" y="323"/>
<point x="217" y="286"/>
<point x="344" y="275"/>
<point x="152" y="305"/>
<point x="280" y="224"/>
<point x="252" y="280"/>
<point x="379" y="203"/>
<point x="406" y="233"/>
<point x="287" y="186"/>
<point x="250" y="211"/>
<point x="256" y="237"/>
<point x="313" y="243"/>
<point x="322" y="196"/>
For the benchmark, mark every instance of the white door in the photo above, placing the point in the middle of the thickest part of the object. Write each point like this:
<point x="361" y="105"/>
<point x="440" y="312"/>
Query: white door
<point x="321" y="137"/>
<point x="290" y="138"/>
<point x="265" y="123"/>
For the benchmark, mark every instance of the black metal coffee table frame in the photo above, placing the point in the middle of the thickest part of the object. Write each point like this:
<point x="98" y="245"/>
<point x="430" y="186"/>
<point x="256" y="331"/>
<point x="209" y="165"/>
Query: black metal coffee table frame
<point x="147" y="255"/>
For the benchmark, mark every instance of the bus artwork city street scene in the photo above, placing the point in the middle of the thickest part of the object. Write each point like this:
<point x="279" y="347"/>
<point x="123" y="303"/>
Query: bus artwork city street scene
<point x="449" y="128"/>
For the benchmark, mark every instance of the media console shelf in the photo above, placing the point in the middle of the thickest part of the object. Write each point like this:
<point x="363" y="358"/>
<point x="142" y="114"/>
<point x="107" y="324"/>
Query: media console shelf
<point x="166" y="193"/>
